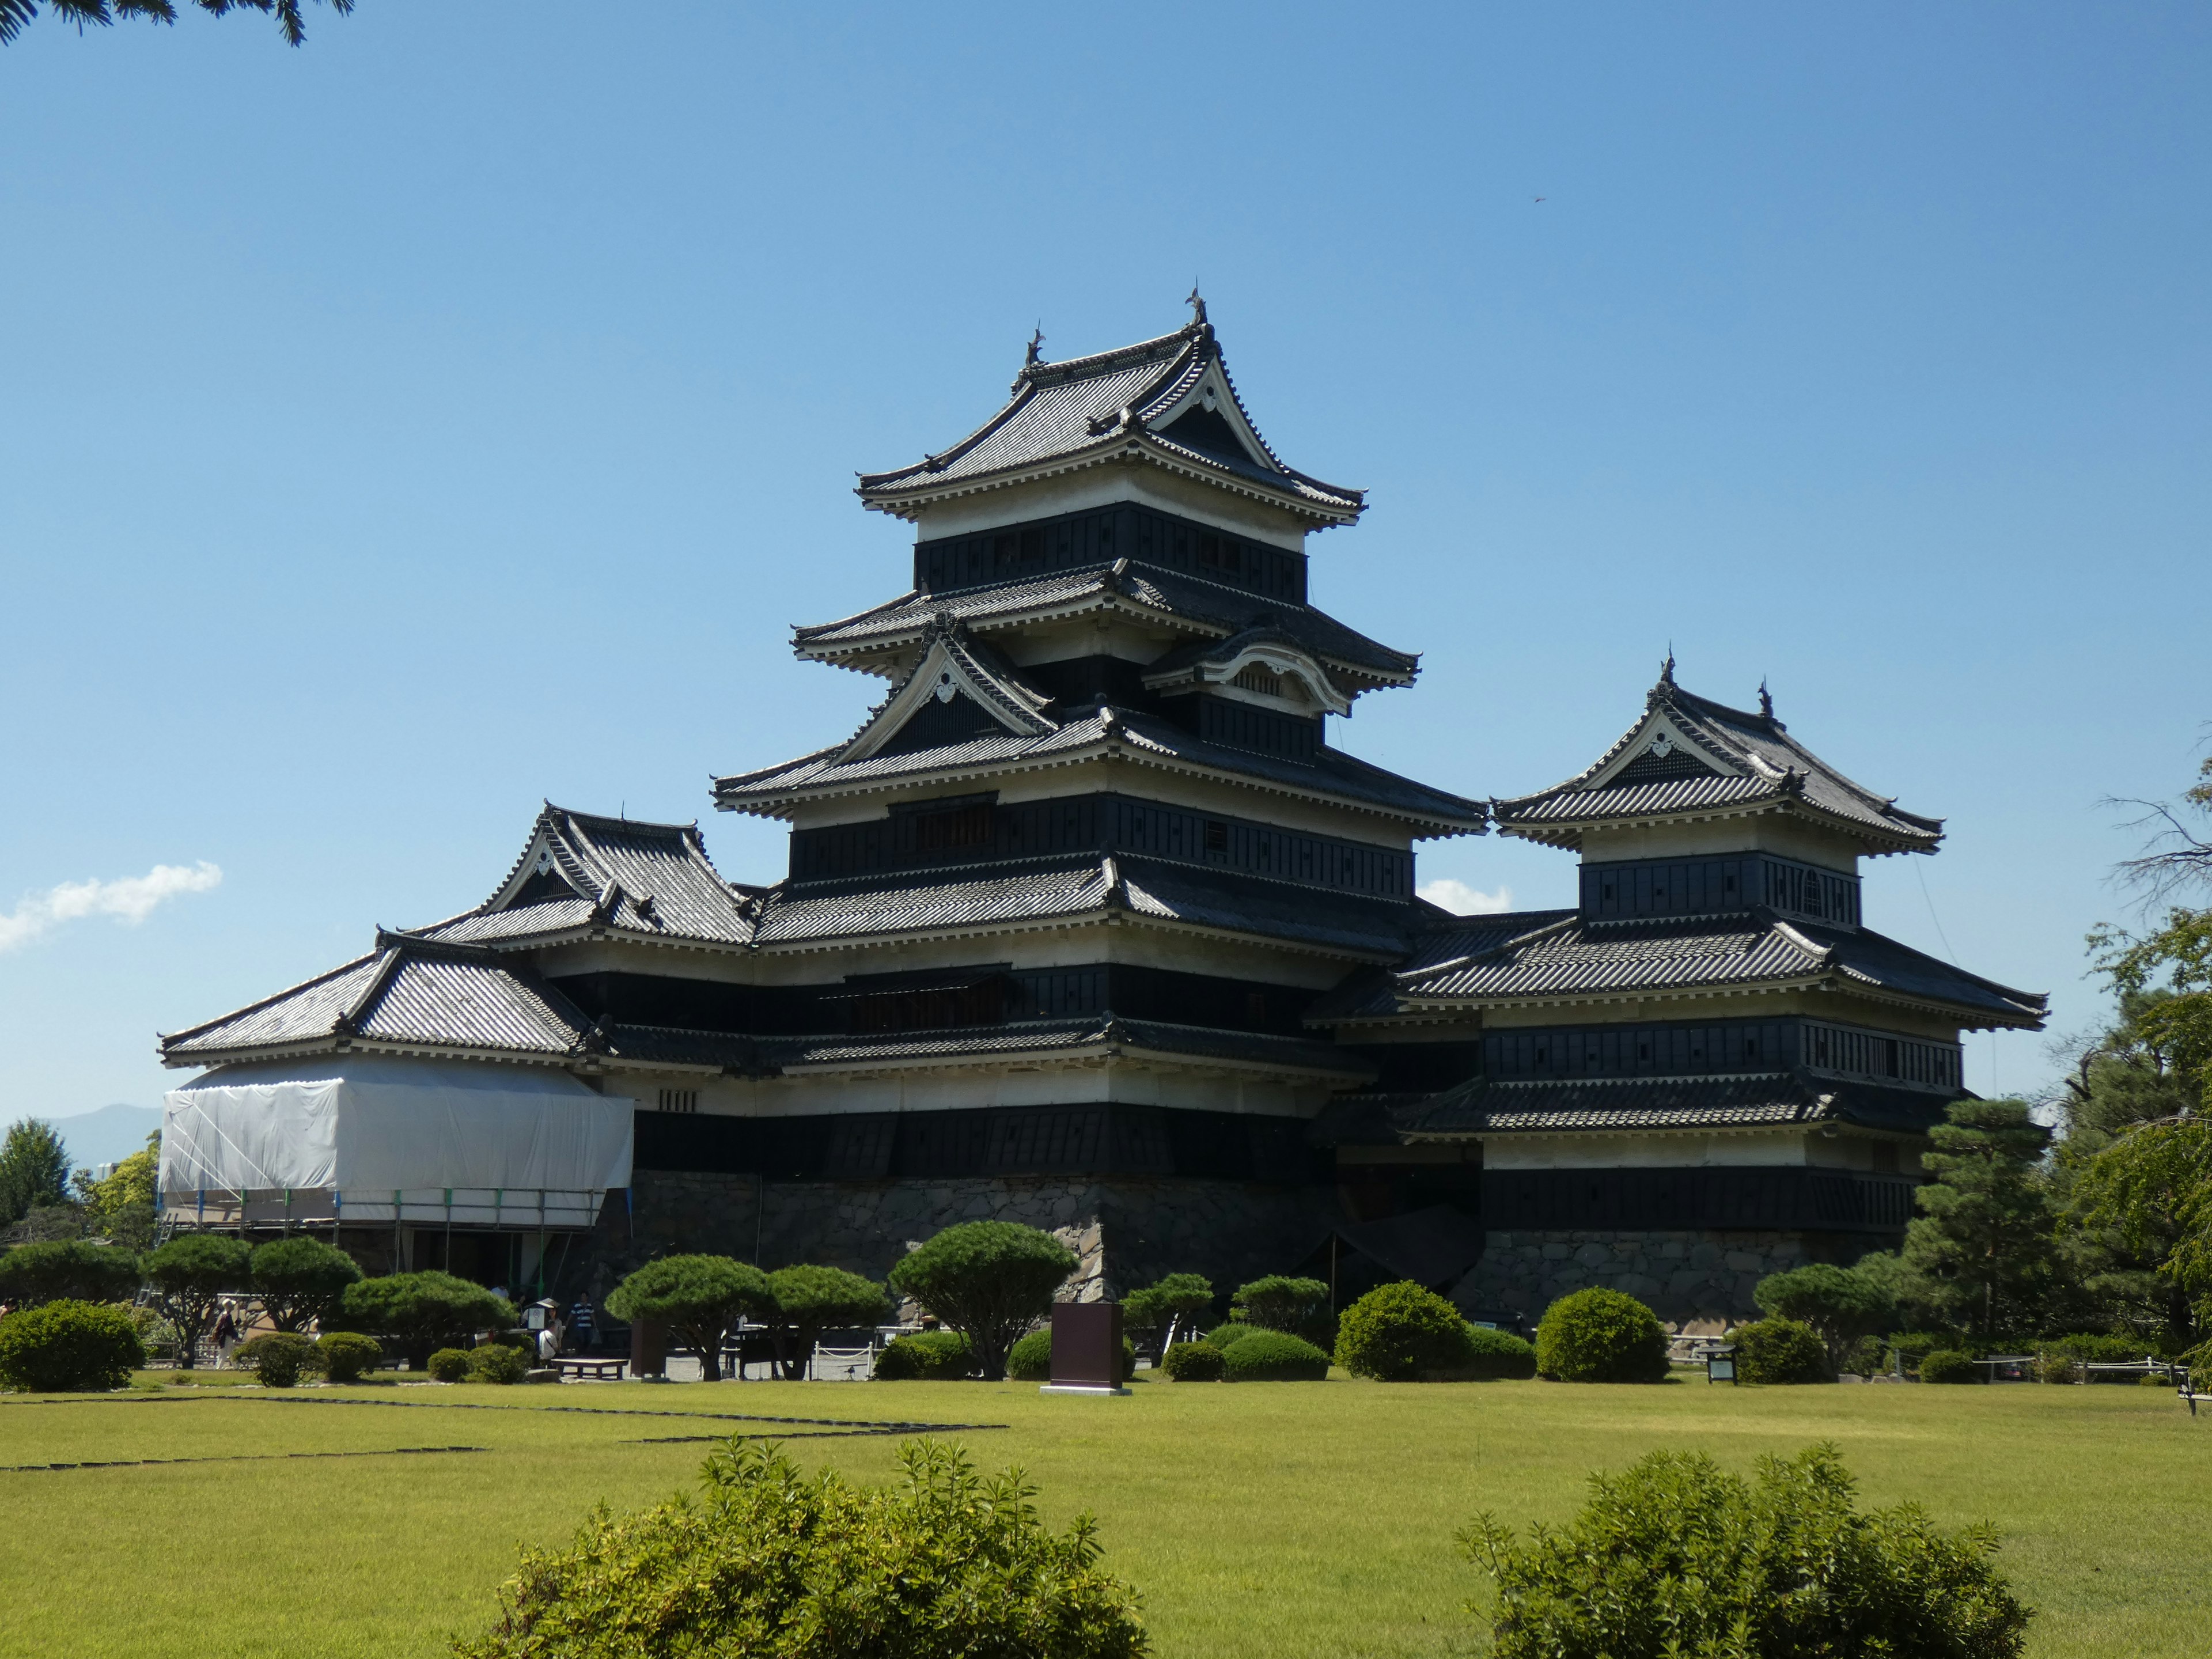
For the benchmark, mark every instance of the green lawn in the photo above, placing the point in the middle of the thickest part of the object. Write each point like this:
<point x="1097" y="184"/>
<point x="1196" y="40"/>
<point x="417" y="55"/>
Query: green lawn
<point x="1257" y="1519"/>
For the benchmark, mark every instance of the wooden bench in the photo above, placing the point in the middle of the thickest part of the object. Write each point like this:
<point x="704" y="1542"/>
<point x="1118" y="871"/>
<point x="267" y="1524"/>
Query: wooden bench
<point x="599" y="1370"/>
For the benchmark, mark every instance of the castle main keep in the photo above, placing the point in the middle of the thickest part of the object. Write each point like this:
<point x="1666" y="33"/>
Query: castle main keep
<point x="1091" y="926"/>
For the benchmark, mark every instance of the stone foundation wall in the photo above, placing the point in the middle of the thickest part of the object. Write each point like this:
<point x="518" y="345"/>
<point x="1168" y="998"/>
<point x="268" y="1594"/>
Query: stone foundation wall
<point x="1127" y="1232"/>
<point x="1682" y="1276"/>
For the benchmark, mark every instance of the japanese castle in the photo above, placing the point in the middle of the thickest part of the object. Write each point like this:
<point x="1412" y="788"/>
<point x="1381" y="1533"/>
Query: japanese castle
<point x="1091" y="926"/>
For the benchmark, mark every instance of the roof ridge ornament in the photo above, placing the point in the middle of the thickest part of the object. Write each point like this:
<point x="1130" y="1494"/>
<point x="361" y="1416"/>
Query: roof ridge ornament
<point x="1766" y="702"/>
<point x="1197" y="307"/>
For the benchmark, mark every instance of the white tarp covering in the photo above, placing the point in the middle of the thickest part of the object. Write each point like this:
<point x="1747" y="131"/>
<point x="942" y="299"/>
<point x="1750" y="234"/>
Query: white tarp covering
<point x="388" y="1136"/>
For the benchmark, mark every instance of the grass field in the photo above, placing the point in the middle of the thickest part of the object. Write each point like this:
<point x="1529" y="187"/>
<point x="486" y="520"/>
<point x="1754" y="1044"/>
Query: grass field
<point x="1259" y="1519"/>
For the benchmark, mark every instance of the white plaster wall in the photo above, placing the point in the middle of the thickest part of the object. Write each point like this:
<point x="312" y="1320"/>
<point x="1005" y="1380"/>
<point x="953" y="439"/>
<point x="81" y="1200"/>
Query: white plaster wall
<point x="1765" y="1148"/>
<point x="1103" y="486"/>
<point x="1779" y="833"/>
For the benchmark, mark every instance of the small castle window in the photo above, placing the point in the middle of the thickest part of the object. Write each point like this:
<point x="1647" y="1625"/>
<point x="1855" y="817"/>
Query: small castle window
<point x="679" y="1100"/>
<point x="1217" y="836"/>
<point x="1255" y="1007"/>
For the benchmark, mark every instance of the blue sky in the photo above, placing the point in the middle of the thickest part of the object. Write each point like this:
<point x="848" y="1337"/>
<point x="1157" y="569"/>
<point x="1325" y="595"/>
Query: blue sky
<point x="458" y="411"/>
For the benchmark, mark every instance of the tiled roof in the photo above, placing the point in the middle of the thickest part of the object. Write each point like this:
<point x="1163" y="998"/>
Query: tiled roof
<point x="1740" y="1100"/>
<point x="1103" y="731"/>
<point x="1710" y="758"/>
<point x="1123" y="402"/>
<point x="1555" y="954"/>
<point x="1213" y="611"/>
<point x="1039" y="890"/>
<point x="406" y="993"/>
<point x="1102" y="1032"/>
<point x="580" y="871"/>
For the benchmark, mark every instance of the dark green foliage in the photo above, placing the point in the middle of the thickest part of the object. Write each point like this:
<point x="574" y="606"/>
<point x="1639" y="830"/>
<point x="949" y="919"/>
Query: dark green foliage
<point x="1231" y="1331"/>
<point x="301" y="1281"/>
<point x="1781" y="1350"/>
<point x="34" y="1170"/>
<point x="1841" y="1304"/>
<point x="1500" y="1354"/>
<point x="495" y="1361"/>
<point x="1952" y="1365"/>
<point x="1273" y="1356"/>
<point x="1172" y="1306"/>
<point x="348" y="1356"/>
<point x="1600" y="1336"/>
<point x="418" y="1312"/>
<point x="1403" y="1334"/>
<point x="775" y="1564"/>
<point x="1982" y="1251"/>
<point x="1299" y="1306"/>
<point x="1673" y="1558"/>
<point x="1029" y="1360"/>
<point x="449" y="1365"/>
<point x="700" y="1298"/>
<point x="15" y="14"/>
<point x="925" y="1357"/>
<point x="1192" y="1362"/>
<point x="2086" y="1349"/>
<point x="68" y="1347"/>
<point x="190" y="1275"/>
<point x="807" y="1301"/>
<point x="989" y="1280"/>
<point x="71" y="1270"/>
<point x="277" y="1359"/>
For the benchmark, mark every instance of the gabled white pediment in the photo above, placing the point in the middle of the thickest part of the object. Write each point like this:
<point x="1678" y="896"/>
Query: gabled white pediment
<point x="945" y="672"/>
<point x="1211" y="412"/>
<point x="1268" y="673"/>
<point x="544" y="860"/>
<point x="1661" y="738"/>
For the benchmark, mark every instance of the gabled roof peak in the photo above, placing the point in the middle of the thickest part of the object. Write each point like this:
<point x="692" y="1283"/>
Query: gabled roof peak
<point x="1690" y="758"/>
<point x="1165" y="402"/>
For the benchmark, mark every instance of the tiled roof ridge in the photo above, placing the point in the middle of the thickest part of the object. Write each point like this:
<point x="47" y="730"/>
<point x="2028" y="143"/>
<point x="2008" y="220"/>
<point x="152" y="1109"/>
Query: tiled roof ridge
<point x="1163" y="347"/>
<point x="167" y="1038"/>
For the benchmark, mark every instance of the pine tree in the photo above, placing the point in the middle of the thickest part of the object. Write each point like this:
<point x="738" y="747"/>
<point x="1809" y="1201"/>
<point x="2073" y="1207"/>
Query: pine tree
<point x="34" y="1170"/>
<point x="1982" y="1251"/>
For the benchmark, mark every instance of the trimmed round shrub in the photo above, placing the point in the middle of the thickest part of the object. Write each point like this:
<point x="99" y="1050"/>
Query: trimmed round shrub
<point x="301" y="1281"/>
<point x="1273" y="1356"/>
<point x="1192" y="1362"/>
<point x="925" y="1357"/>
<point x="1403" y="1334"/>
<point x="1950" y="1365"/>
<point x="495" y="1361"/>
<point x="1232" y="1331"/>
<point x="421" y="1312"/>
<point x="1500" y="1354"/>
<point x="348" y="1356"/>
<point x="1598" y="1336"/>
<point x="1781" y="1350"/>
<point x="68" y="1347"/>
<point x="989" y="1280"/>
<point x="276" y="1360"/>
<point x="809" y="1300"/>
<point x="1029" y="1360"/>
<point x="449" y="1365"/>
<point x="700" y="1298"/>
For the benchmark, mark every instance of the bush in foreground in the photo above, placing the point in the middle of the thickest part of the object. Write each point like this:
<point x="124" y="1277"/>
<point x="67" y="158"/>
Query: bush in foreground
<point x="1192" y="1362"/>
<point x="1598" y="1336"/>
<point x="1273" y="1356"/>
<point x="1781" y="1350"/>
<point x="1675" y="1558"/>
<point x="925" y="1357"/>
<point x="68" y="1270"/>
<point x="1950" y="1365"/>
<point x="276" y="1359"/>
<point x="770" y="1561"/>
<point x="1403" y="1334"/>
<point x="989" y="1280"/>
<point x="68" y="1347"/>
<point x="449" y="1365"/>
<point x="348" y="1356"/>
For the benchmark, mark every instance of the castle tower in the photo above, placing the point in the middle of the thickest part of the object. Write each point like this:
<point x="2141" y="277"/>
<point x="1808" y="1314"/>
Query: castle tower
<point x="1709" y="1070"/>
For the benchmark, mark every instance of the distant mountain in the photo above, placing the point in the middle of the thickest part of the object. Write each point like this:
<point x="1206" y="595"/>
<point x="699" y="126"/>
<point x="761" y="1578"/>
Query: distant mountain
<point x="106" y="1136"/>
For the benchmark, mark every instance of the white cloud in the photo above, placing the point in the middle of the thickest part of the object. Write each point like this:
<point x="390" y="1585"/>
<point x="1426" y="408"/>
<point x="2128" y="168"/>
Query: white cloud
<point x="1466" y="901"/>
<point x="130" y="899"/>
